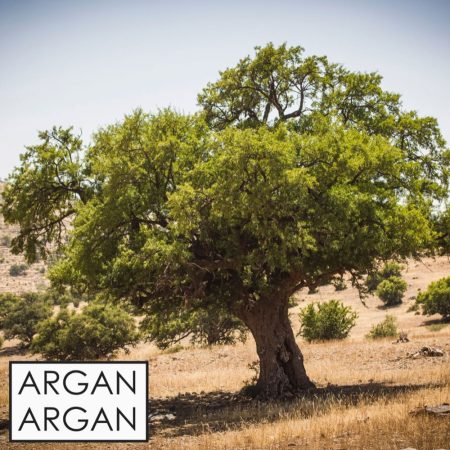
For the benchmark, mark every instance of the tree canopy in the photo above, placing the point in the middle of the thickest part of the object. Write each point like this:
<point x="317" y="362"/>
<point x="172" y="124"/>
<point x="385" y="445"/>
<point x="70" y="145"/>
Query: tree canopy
<point x="294" y="172"/>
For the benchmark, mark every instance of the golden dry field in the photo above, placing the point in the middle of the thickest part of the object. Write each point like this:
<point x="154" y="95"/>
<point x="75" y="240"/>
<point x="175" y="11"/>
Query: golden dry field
<point x="366" y="389"/>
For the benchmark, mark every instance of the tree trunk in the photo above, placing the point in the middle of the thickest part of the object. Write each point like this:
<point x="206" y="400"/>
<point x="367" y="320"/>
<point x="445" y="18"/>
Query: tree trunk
<point x="282" y="372"/>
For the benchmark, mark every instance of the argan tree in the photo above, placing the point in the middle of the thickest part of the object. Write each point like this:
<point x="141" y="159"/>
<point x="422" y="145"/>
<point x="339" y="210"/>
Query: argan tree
<point x="295" y="172"/>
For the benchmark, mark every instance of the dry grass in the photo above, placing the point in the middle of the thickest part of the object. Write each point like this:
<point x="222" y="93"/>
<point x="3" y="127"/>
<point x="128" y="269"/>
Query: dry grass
<point x="366" y="390"/>
<point x="380" y="424"/>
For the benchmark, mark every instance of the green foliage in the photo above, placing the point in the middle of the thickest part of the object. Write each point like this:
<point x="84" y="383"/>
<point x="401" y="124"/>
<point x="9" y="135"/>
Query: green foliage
<point x="99" y="331"/>
<point x="7" y="301"/>
<point x="280" y="84"/>
<point x="204" y="327"/>
<point x="18" y="269"/>
<point x="329" y="320"/>
<point x="64" y="297"/>
<point x="386" y="328"/>
<point x="390" y="269"/>
<point x="441" y="222"/>
<point x="23" y="316"/>
<point x="392" y="290"/>
<point x="52" y="177"/>
<point x="436" y="298"/>
<point x="283" y="85"/>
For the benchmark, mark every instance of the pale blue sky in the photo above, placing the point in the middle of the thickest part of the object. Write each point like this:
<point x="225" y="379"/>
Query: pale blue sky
<point x="88" y="62"/>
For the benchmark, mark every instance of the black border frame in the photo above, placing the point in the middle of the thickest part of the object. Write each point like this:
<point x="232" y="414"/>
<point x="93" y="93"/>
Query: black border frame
<point x="81" y="362"/>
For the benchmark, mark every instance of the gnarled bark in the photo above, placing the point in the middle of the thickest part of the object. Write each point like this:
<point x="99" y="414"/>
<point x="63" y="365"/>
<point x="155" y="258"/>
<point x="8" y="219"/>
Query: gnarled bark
<point x="282" y="371"/>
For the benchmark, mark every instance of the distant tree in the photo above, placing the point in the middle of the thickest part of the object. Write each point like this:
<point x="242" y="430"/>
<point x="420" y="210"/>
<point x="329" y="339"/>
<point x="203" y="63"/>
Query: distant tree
<point x="296" y="171"/>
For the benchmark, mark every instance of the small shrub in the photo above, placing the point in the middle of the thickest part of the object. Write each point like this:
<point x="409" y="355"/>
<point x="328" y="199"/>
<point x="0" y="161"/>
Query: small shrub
<point x="18" y="269"/>
<point x="390" y="269"/>
<point x="392" y="290"/>
<point x="2" y="340"/>
<point x="23" y="316"/>
<point x="329" y="320"/>
<point x="339" y="284"/>
<point x="386" y="328"/>
<point x="99" y="331"/>
<point x="436" y="299"/>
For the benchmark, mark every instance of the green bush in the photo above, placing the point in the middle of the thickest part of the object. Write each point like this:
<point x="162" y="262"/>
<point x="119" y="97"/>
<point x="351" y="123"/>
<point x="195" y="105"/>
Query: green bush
<point x="386" y="328"/>
<point x="99" y="331"/>
<point x="329" y="320"/>
<point x="392" y="290"/>
<point x="339" y="284"/>
<point x="18" y="269"/>
<point x="436" y="299"/>
<point x="390" y="269"/>
<point x="23" y="316"/>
